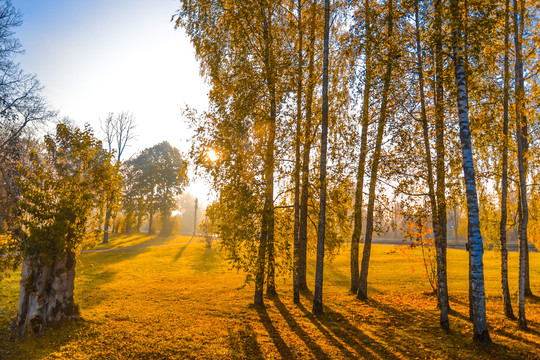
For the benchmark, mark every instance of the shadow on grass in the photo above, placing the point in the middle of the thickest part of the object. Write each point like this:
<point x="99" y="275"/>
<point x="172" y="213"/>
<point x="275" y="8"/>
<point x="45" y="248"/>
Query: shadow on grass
<point x="339" y="331"/>
<point x="398" y="324"/>
<point x="243" y="344"/>
<point x="448" y="342"/>
<point x="55" y="337"/>
<point x="330" y="272"/>
<point x="278" y="341"/>
<point x="209" y="261"/>
<point x="514" y="336"/>
<point x="131" y="241"/>
<point x="118" y="241"/>
<point x="93" y="271"/>
<point x="315" y="349"/>
<point x="457" y="314"/>
<point x="181" y="251"/>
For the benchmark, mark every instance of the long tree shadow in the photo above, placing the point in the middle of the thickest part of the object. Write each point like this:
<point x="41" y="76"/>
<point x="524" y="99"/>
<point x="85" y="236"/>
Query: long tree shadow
<point x="343" y="327"/>
<point x="459" y="315"/>
<point x="516" y="337"/>
<point x="278" y="341"/>
<point x="321" y="323"/>
<point x="243" y="344"/>
<point x="94" y="269"/>
<point x="315" y="349"/>
<point x="182" y="249"/>
<point x="208" y="262"/>
<point x="118" y="241"/>
<point x="495" y="350"/>
<point x="365" y="345"/>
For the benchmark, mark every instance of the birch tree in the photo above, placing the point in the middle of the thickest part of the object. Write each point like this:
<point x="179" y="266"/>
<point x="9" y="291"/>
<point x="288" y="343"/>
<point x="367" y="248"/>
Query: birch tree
<point x="318" y="297"/>
<point x="387" y="77"/>
<point x="523" y="210"/>
<point x="476" y="249"/>
<point x="359" y="194"/>
<point x="504" y="178"/>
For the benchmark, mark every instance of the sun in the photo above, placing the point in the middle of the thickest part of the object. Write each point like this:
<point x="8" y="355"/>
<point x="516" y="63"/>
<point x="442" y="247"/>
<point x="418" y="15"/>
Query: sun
<point x="212" y="155"/>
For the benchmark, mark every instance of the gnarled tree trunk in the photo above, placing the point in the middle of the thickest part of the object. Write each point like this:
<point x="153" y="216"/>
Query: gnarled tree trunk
<point x="46" y="294"/>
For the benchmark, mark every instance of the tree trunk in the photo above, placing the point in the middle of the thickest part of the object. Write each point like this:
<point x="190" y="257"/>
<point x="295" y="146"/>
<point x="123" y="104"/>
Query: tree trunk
<point x="521" y="142"/>
<point x="195" y="216"/>
<point x="504" y="181"/>
<point x="456" y="223"/>
<point x="359" y="196"/>
<point x="150" y="221"/>
<point x="440" y="201"/>
<point x="318" y="294"/>
<point x="476" y="249"/>
<point x="106" y="224"/>
<point x="128" y="223"/>
<point x="261" y="257"/>
<point x="362" y="286"/>
<point x="440" y="241"/>
<point x="302" y="251"/>
<point x="269" y="68"/>
<point x="296" y="238"/>
<point x="528" y="291"/>
<point x="46" y="293"/>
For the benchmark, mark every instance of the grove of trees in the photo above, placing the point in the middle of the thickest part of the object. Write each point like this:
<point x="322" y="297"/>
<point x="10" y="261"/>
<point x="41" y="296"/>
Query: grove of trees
<point x="312" y="101"/>
<point x="152" y="181"/>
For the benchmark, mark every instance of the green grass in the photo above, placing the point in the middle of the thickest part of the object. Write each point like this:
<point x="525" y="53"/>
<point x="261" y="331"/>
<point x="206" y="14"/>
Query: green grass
<point x="181" y="301"/>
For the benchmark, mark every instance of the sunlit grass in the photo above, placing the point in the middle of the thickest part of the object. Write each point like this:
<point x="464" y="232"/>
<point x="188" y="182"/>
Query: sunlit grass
<point x="181" y="301"/>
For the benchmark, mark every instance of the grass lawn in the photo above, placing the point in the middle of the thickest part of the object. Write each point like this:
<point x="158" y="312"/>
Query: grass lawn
<point x="181" y="301"/>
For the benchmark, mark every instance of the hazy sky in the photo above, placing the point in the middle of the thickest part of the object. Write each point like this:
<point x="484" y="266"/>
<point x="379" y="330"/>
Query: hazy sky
<point x="98" y="56"/>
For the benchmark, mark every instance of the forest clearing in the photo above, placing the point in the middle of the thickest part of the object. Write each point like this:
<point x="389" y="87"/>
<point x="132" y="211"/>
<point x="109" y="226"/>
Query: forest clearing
<point x="182" y="302"/>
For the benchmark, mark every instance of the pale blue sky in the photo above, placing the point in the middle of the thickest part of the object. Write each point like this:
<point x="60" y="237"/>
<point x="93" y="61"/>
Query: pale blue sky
<point x="98" y="56"/>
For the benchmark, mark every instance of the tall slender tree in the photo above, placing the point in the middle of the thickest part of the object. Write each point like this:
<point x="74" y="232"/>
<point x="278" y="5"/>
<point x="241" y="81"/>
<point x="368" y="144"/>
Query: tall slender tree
<point x="269" y="73"/>
<point x="440" y="241"/>
<point x="476" y="249"/>
<point x="437" y="198"/>
<point x="119" y="131"/>
<point x="307" y="142"/>
<point x="359" y="194"/>
<point x="317" y="296"/>
<point x="299" y="90"/>
<point x="387" y="77"/>
<point x="504" y="178"/>
<point x="523" y="209"/>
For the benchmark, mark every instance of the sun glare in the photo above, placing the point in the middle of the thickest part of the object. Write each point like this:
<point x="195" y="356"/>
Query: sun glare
<point x="212" y="155"/>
